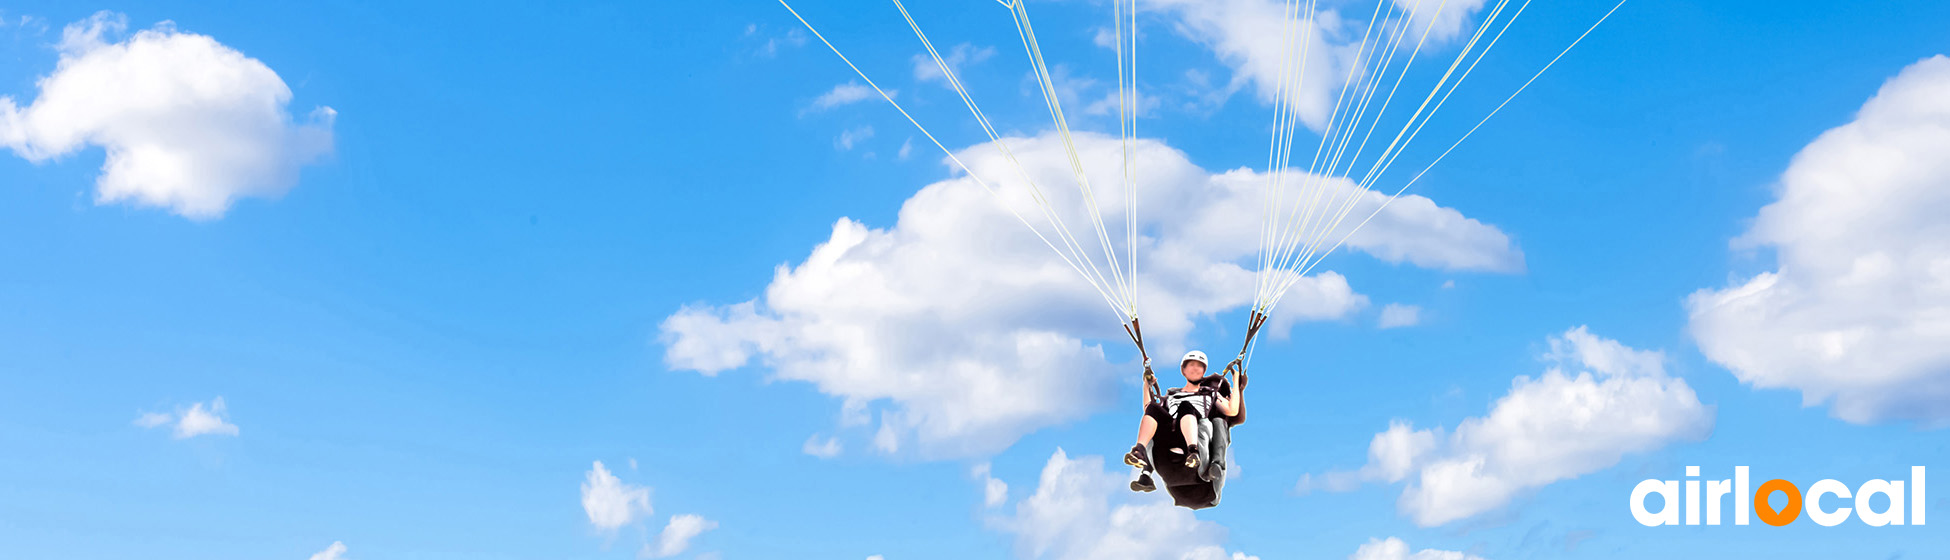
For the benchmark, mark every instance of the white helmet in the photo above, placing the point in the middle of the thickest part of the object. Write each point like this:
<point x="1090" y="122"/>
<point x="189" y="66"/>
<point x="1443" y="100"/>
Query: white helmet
<point x="1194" y="356"/>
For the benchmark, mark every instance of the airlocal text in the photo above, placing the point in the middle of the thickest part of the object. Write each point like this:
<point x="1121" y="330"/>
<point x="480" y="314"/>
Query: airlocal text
<point x="1797" y="502"/>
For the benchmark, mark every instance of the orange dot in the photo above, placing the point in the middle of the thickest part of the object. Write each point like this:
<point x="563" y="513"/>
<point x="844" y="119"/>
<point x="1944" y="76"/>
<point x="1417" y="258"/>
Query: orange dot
<point x="1783" y="516"/>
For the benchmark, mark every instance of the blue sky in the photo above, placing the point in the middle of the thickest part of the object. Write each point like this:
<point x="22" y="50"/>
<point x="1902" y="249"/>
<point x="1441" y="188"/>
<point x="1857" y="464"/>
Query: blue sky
<point x="427" y="337"/>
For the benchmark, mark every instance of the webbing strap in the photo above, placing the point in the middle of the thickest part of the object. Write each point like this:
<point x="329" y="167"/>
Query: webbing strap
<point x="1252" y="330"/>
<point x="1150" y="381"/>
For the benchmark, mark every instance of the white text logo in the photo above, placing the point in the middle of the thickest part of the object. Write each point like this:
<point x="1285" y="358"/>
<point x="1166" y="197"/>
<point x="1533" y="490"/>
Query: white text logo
<point x="1718" y="490"/>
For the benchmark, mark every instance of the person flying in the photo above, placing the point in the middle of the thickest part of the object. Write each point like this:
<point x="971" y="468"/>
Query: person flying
<point x="1184" y="407"/>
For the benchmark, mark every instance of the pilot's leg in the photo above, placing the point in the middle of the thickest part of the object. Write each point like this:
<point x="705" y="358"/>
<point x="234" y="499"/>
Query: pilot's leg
<point x="1147" y="429"/>
<point x="1188" y="426"/>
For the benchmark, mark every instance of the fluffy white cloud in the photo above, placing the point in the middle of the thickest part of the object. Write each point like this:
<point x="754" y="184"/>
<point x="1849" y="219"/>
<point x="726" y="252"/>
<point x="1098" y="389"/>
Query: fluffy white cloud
<point x="199" y="419"/>
<point x="1394" y="549"/>
<point x="963" y="332"/>
<point x="334" y="552"/>
<point x="994" y="491"/>
<point x="677" y="535"/>
<point x="1398" y="315"/>
<point x="1247" y="35"/>
<point x="1858" y="312"/>
<point x="188" y="124"/>
<point x="1416" y="231"/>
<point x="1081" y="511"/>
<point x="824" y="448"/>
<point x="1599" y="401"/>
<point x="847" y="93"/>
<point x="610" y="502"/>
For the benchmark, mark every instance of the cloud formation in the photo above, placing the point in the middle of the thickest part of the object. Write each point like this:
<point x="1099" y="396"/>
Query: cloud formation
<point x="927" y="70"/>
<point x="611" y="503"/>
<point x="1447" y="16"/>
<point x="188" y="124"/>
<point x="1082" y="512"/>
<point x="941" y="324"/>
<point x="769" y="45"/>
<point x="1599" y="401"/>
<point x="1857" y="312"/>
<point x="1394" y="549"/>
<point x="1248" y="36"/>
<point x="824" y="448"/>
<point x="334" y="552"/>
<point x="677" y="534"/>
<point x="852" y="136"/>
<point x="995" y="492"/>
<point x="1396" y="315"/>
<point x="845" y="94"/>
<point x="197" y="420"/>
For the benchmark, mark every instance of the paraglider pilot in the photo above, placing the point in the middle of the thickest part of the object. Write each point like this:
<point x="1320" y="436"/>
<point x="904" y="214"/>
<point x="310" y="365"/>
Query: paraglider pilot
<point x="1184" y="407"/>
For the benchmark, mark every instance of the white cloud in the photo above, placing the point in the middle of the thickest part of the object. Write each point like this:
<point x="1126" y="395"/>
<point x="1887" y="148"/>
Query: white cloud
<point x="1599" y="401"/>
<point x="824" y="448"/>
<point x="610" y="502"/>
<point x="1394" y="549"/>
<point x="1414" y="230"/>
<point x="926" y="70"/>
<point x="152" y="419"/>
<point x="677" y="535"/>
<point x="1398" y="315"/>
<point x="24" y="24"/>
<point x="334" y="552"/>
<point x="1247" y="35"/>
<point x="1857" y="313"/>
<point x="907" y="148"/>
<point x="852" y="136"/>
<point x="1082" y="512"/>
<point x="1108" y="105"/>
<point x="770" y="45"/>
<point x="938" y="323"/>
<point x="847" y="93"/>
<point x="197" y="420"/>
<point x="1448" y="15"/>
<point x="188" y="124"/>
<point x="995" y="492"/>
<point x="886" y="439"/>
<point x="1106" y="37"/>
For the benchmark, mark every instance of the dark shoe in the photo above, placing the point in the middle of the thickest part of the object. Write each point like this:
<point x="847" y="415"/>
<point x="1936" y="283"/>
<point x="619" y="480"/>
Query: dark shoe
<point x="1136" y="458"/>
<point x="1191" y="456"/>
<point x="1143" y="483"/>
